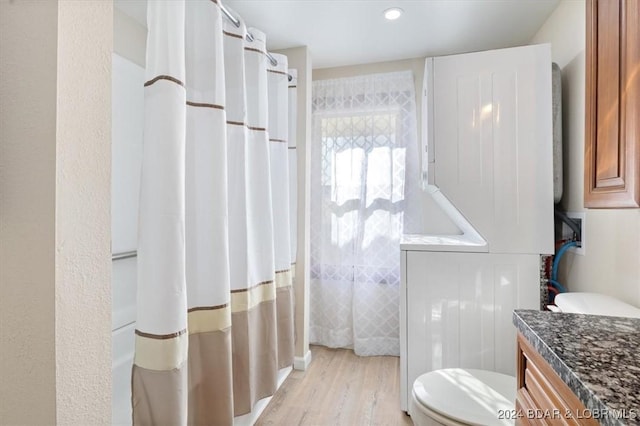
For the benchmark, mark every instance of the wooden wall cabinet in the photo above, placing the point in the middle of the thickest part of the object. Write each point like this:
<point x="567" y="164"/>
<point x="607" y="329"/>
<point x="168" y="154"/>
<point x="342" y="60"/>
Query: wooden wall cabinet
<point x="612" y="134"/>
<point x="542" y="397"/>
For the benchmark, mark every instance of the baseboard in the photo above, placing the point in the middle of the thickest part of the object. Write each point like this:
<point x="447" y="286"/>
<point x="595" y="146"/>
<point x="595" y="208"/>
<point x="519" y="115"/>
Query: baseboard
<point x="302" y="362"/>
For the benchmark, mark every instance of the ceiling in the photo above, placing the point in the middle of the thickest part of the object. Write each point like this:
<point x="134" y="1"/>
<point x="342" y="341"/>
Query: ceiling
<point x="348" y="32"/>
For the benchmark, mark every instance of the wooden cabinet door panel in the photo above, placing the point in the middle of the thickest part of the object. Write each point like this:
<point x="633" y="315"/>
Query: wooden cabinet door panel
<point x="542" y="392"/>
<point x="608" y="95"/>
<point x="546" y="397"/>
<point x="525" y="405"/>
<point x="612" y="146"/>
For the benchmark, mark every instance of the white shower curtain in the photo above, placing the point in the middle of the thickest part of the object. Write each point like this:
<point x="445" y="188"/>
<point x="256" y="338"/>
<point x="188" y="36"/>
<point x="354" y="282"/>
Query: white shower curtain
<point x="363" y="168"/>
<point x="215" y="314"/>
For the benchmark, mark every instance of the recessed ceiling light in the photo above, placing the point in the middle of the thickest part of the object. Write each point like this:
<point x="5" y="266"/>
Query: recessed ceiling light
<point x="393" y="13"/>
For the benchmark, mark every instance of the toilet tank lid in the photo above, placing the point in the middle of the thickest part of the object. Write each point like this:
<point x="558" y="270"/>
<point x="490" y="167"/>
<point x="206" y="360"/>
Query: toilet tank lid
<point x="595" y="304"/>
<point x="474" y="397"/>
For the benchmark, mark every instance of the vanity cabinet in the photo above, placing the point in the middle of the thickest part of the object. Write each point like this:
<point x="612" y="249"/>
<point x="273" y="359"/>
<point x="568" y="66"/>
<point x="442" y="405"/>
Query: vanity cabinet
<point x="542" y="397"/>
<point x="612" y="105"/>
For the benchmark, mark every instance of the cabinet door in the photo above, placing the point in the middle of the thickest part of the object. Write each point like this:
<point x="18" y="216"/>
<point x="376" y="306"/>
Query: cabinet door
<point x="612" y="135"/>
<point x="542" y="393"/>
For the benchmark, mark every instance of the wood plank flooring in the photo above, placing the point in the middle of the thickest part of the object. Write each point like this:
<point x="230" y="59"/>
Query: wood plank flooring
<point x="339" y="388"/>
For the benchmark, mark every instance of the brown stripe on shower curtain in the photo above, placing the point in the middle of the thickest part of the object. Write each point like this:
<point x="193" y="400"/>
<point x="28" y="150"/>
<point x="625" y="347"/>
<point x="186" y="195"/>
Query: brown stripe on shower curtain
<point x="230" y="34"/>
<point x="253" y="49"/>
<point x="277" y="72"/>
<point x="204" y="105"/>
<point x="164" y="77"/>
<point x="240" y="123"/>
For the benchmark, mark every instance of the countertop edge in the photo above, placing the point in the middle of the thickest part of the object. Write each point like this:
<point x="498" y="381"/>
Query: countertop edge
<point x="582" y="391"/>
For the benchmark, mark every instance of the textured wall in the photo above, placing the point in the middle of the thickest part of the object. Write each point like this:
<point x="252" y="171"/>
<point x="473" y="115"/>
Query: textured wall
<point x="27" y="206"/>
<point x="611" y="264"/>
<point x="55" y="263"/>
<point x="83" y="213"/>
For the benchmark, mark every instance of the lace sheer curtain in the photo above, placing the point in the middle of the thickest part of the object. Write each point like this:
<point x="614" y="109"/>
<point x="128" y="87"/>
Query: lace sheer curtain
<point x="364" y="166"/>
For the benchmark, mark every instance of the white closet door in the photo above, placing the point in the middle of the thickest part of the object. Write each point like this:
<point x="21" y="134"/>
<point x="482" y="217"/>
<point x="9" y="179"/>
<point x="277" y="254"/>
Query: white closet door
<point x="492" y="137"/>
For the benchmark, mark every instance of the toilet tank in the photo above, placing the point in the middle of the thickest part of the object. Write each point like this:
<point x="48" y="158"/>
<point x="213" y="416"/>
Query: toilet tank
<point x="595" y="304"/>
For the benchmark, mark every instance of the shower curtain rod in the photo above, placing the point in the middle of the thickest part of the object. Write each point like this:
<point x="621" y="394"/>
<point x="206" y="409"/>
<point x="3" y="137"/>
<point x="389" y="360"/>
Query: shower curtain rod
<point x="250" y="37"/>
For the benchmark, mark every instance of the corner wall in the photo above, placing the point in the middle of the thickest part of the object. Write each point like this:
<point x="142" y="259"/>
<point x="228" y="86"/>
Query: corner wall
<point x="129" y="38"/>
<point x="83" y="213"/>
<point x="28" y="57"/>
<point x="300" y="59"/>
<point x="55" y="258"/>
<point x="611" y="264"/>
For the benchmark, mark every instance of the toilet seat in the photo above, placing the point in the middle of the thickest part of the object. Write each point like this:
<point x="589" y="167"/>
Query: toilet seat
<point x="466" y="396"/>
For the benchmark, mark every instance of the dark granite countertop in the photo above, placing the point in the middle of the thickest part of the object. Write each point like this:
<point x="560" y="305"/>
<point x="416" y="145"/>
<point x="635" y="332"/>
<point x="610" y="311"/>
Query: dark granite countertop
<point x="598" y="357"/>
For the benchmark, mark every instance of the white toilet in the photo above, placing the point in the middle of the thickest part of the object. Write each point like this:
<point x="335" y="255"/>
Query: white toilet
<point x="457" y="396"/>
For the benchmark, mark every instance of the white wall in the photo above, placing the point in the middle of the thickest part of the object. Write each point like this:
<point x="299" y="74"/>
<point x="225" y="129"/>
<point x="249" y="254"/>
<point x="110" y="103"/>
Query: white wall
<point x="83" y="213"/>
<point x="55" y="166"/>
<point x="28" y="49"/>
<point x="300" y="59"/>
<point x="129" y="38"/>
<point x="611" y="264"/>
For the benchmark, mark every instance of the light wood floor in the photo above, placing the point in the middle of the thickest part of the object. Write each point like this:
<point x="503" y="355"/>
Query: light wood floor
<point x="339" y="388"/>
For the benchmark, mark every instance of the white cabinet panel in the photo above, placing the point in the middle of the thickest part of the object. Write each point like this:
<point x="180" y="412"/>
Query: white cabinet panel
<point x="492" y="143"/>
<point x="459" y="308"/>
<point x="476" y="291"/>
